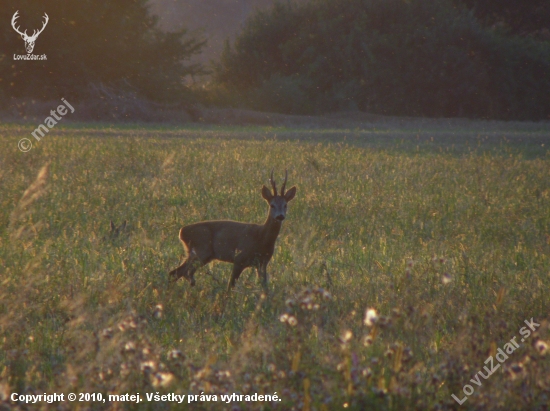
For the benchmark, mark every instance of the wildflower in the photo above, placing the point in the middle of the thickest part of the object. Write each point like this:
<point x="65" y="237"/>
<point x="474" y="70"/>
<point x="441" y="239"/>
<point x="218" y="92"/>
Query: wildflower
<point x="175" y="354"/>
<point x="157" y="312"/>
<point x="147" y="366"/>
<point x="161" y="379"/>
<point x="306" y="302"/>
<point x="346" y="337"/>
<point x="367" y="372"/>
<point x="292" y="321"/>
<point x="284" y="318"/>
<point x="128" y="324"/>
<point x="107" y="333"/>
<point x="202" y="374"/>
<point x="371" y="317"/>
<point x="446" y="278"/>
<point x="105" y="374"/>
<point x="541" y="347"/>
<point x="223" y="374"/>
<point x="367" y="340"/>
<point x="130" y="346"/>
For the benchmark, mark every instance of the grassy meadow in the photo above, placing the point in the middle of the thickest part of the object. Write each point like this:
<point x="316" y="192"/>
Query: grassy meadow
<point x="444" y="231"/>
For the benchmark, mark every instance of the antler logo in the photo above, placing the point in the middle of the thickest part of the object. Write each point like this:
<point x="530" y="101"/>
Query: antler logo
<point x="29" y="40"/>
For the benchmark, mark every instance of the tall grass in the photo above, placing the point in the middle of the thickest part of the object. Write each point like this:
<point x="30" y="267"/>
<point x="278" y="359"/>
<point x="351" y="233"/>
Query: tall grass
<point x="449" y="245"/>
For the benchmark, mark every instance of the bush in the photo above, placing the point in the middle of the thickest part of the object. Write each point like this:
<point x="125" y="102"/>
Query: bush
<point x="418" y="58"/>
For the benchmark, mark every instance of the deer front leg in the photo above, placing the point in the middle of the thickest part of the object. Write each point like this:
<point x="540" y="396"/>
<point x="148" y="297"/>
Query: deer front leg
<point x="262" y="274"/>
<point x="237" y="270"/>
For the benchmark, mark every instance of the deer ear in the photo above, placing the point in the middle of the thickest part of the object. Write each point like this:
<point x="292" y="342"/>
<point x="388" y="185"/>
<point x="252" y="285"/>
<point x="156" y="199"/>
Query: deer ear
<point x="266" y="194"/>
<point x="289" y="195"/>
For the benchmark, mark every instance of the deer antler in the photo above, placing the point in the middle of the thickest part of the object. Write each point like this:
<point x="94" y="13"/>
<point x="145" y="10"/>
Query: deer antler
<point x="284" y="184"/>
<point x="13" y="21"/>
<point x="273" y="184"/>
<point x="37" y="32"/>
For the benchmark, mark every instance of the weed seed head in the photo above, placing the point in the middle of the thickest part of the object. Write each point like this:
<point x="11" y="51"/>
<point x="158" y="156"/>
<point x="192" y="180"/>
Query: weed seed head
<point x="371" y="317"/>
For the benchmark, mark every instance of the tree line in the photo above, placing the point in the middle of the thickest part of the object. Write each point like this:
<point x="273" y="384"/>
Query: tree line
<point x="467" y="58"/>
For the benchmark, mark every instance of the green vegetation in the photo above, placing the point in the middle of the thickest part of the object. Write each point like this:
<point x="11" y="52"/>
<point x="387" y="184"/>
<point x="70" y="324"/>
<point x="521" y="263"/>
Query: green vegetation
<point x="444" y="233"/>
<point x="392" y="57"/>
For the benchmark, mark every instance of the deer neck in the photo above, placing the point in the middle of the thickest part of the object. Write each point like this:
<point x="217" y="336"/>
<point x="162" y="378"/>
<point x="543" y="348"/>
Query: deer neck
<point x="270" y="231"/>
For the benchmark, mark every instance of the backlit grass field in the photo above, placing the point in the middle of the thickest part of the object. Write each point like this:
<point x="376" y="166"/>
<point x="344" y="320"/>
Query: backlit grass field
<point x="445" y="232"/>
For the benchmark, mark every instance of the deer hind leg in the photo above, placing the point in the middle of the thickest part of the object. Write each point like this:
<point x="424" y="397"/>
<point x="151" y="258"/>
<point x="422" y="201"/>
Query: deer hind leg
<point x="186" y="270"/>
<point x="196" y="258"/>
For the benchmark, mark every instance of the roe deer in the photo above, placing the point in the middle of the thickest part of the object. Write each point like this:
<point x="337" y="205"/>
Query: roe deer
<point x="244" y="245"/>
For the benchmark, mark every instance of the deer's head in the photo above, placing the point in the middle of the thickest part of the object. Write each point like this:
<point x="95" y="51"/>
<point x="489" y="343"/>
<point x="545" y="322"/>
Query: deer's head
<point x="29" y="40"/>
<point x="278" y="202"/>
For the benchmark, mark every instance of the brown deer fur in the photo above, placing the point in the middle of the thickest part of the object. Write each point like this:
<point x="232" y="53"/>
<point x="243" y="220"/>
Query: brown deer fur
<point x="244" y="245"/>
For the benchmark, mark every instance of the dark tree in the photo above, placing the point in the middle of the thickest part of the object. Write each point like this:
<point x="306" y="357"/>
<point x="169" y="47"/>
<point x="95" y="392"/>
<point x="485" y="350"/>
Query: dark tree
<point x="113" y="44"/>
<point x="523" y="18"/>
<point x="395" y="57"/>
